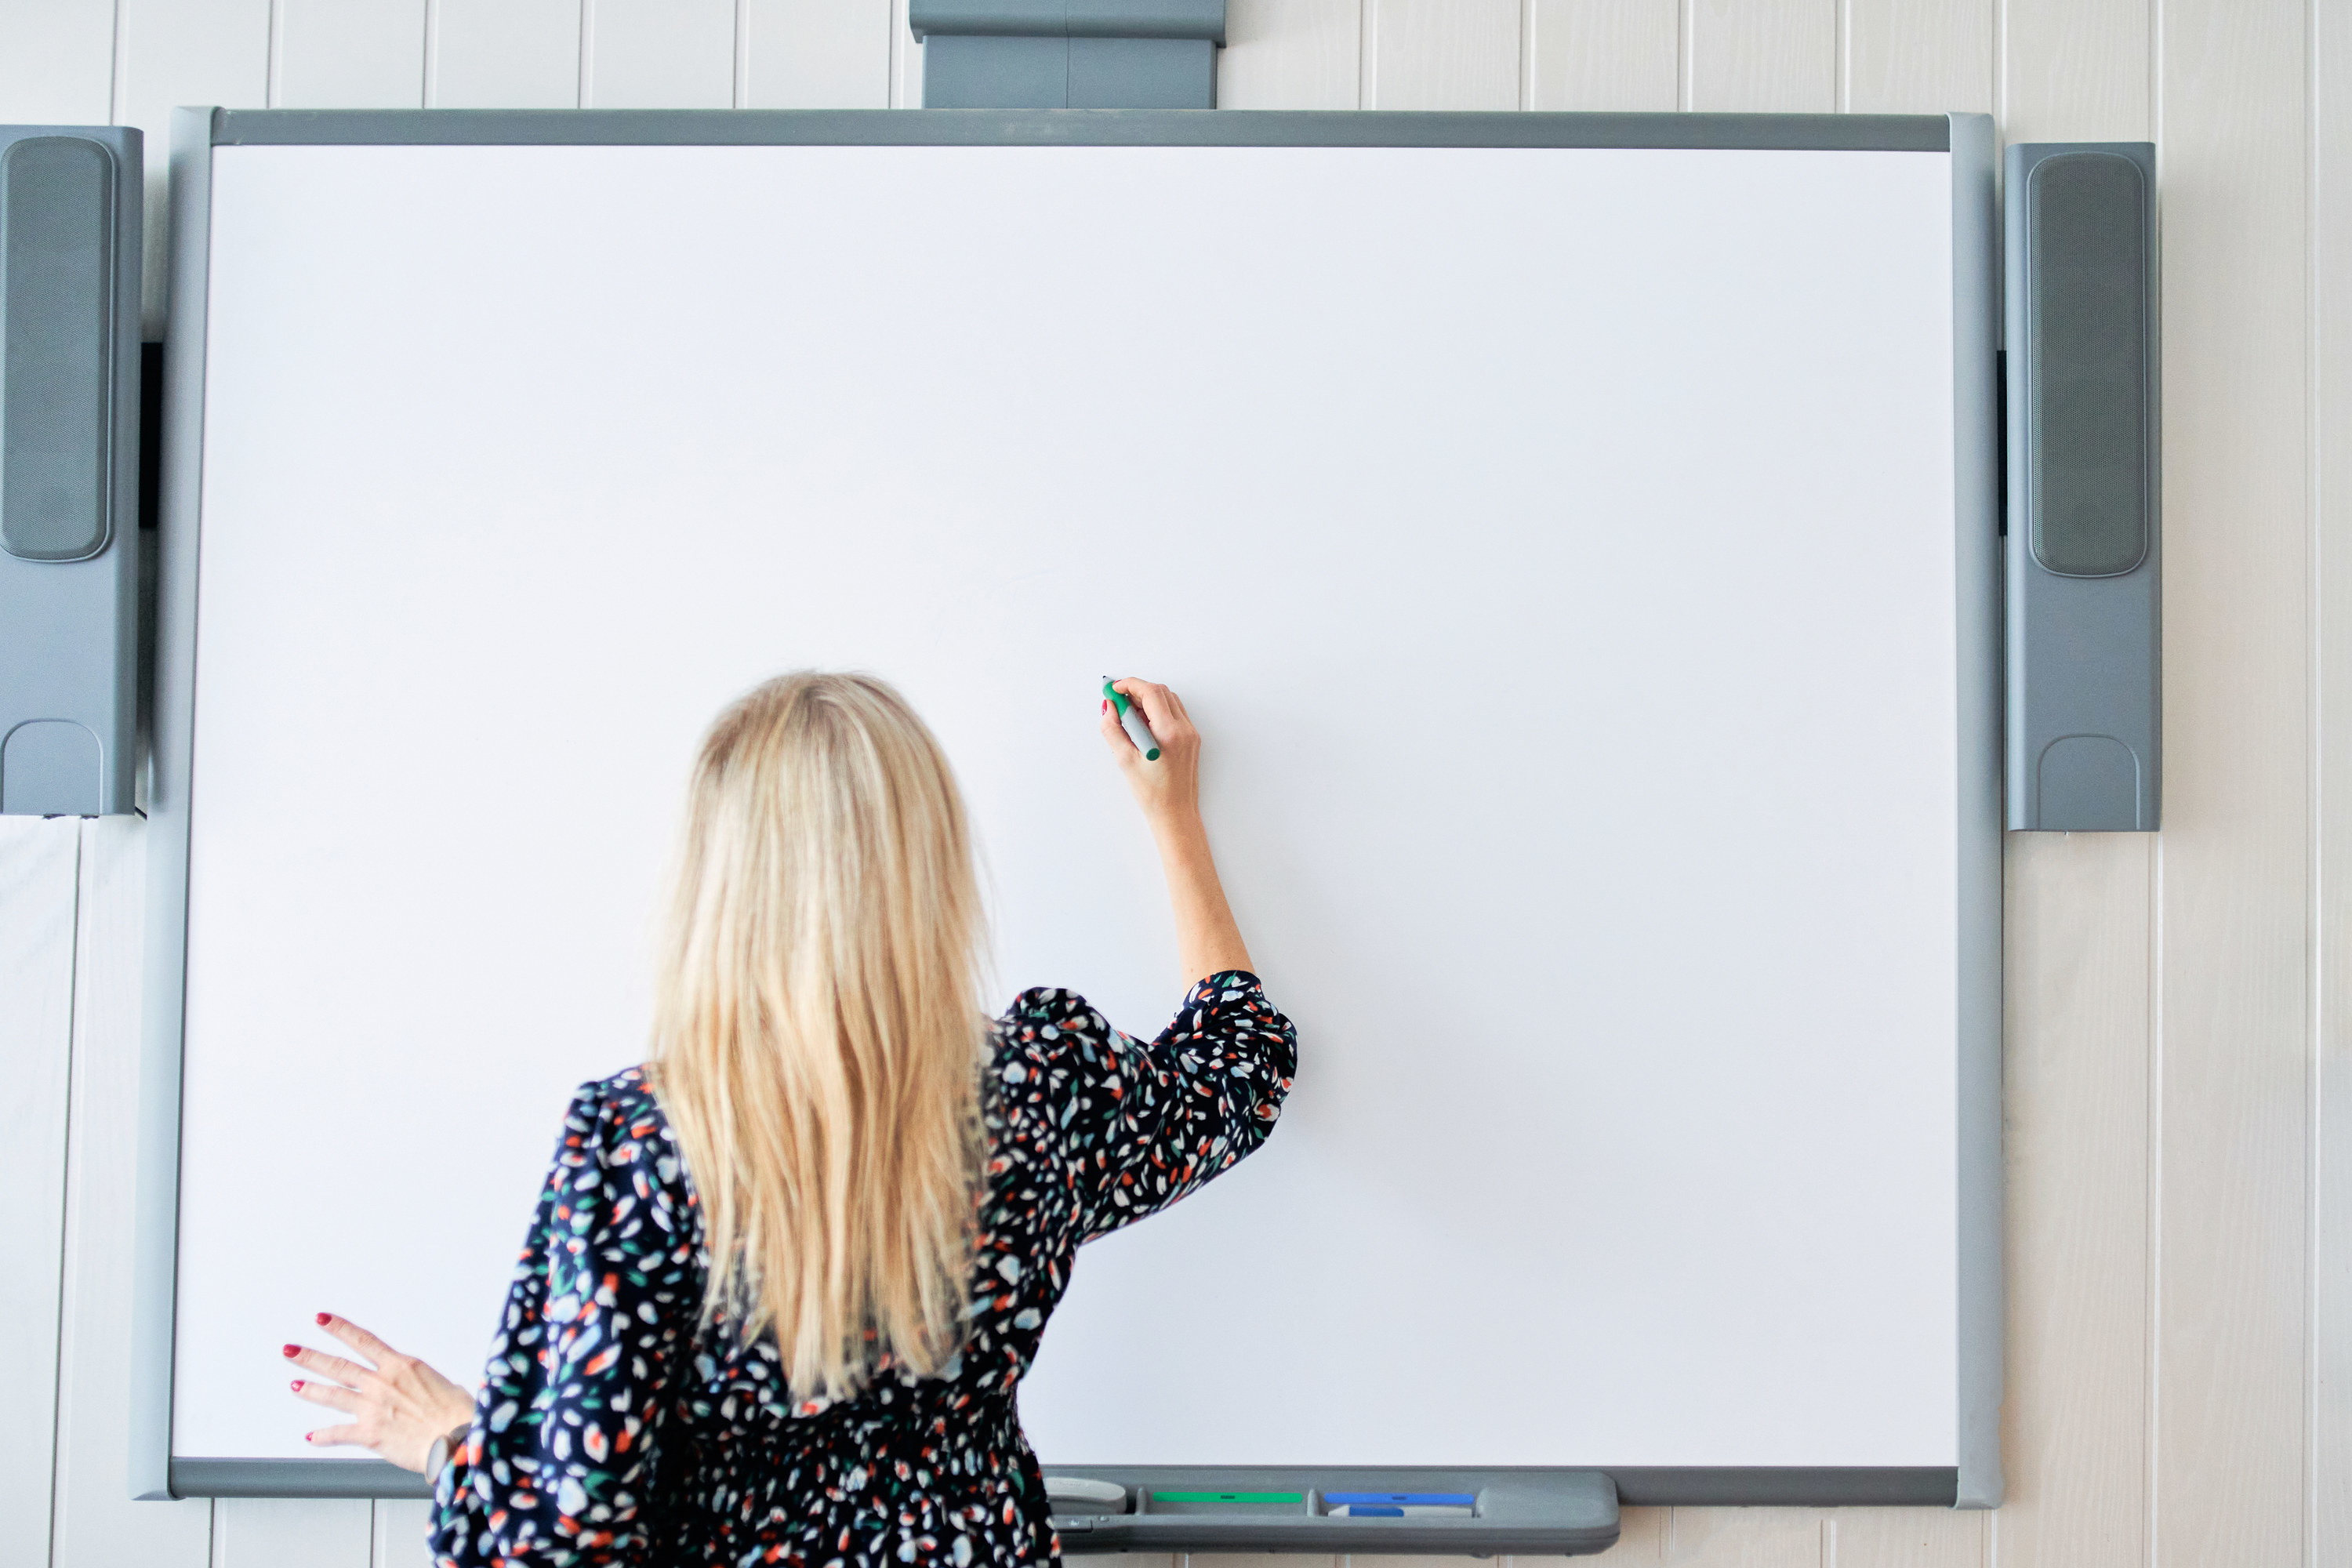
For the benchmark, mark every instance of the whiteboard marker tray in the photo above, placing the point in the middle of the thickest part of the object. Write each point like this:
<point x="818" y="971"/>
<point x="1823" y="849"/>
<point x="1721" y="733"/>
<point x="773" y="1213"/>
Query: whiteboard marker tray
<point x="1175" y="1509"/>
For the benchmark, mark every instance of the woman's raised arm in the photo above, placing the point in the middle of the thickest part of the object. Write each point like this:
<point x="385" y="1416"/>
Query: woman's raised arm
<point x="1168" y="790"/>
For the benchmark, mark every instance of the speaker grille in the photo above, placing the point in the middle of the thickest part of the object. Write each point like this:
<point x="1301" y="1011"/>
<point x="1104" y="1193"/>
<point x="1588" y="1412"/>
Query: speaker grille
<point x="56" y="280"/>
<point x="2087" y="267"/>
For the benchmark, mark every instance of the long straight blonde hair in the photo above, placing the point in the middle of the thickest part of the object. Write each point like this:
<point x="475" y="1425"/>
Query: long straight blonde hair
<point x="817" y="1028"/>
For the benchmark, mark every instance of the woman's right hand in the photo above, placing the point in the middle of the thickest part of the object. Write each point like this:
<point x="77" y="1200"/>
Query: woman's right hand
<point x="1168" y="790"/>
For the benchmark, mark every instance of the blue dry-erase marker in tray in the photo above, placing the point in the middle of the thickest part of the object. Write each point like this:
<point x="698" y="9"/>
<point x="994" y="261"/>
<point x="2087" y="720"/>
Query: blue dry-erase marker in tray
<point x="1401" y="1505"/>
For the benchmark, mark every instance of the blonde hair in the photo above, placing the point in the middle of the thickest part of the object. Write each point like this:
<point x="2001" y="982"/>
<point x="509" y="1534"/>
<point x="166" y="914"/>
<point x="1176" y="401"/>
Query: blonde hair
<point x="817" y="1028"/>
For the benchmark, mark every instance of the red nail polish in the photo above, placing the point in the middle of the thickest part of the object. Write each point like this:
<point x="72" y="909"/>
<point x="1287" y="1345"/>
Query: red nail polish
<point x="324" y="1318"/>
<point x="291" y="1349"/>
<point x="298" y="1386"/>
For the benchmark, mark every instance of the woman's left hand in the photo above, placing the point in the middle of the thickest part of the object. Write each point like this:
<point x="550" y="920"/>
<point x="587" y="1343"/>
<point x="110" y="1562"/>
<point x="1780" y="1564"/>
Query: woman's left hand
<point x="400" y="1405"/>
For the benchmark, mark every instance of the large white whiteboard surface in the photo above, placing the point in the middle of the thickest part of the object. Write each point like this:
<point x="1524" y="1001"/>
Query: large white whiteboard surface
<point x="1555" y="545"/>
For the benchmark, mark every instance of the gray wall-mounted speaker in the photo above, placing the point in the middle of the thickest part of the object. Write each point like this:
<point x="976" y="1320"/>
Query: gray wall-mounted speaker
<point x="1069" y="54"/>
<point x="2085" y="644"/>
<point x="69" y="247"/>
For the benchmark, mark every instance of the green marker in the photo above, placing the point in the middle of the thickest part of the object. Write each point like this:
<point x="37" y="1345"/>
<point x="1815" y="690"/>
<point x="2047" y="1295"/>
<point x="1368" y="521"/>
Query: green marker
<point x="1130" y="718"/>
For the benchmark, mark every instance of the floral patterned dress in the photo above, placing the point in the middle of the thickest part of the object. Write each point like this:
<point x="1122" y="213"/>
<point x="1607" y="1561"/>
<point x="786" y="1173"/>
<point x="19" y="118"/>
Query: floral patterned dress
<point x="609" y="1431"/>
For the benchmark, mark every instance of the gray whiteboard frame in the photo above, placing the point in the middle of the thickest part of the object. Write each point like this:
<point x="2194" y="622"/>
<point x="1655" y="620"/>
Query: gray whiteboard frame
<point x="1974" y="1482"/>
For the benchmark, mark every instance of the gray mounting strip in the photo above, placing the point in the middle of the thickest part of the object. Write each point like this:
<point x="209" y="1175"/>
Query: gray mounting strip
<point x="1976" y="470"/>
<point x="2085" y="556"/>
<point x="70" y="213"/>
<point x="1976" y="1482"/>
<point x="155" y="1253"/>
<point x="1203" y="20"/>
<point x="991" y="71"/>
<point x="1069" y="54"/>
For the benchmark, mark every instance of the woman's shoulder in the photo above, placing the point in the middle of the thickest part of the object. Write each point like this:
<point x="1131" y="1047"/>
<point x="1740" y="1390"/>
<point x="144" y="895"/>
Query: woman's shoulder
<point x="1048" y="1039"/>
<point x="618" y="1117"/>
<point x="1048" y="1021"/>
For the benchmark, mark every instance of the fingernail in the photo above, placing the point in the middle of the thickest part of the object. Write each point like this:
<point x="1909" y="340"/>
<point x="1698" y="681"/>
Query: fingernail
<point x="298" y="1386"/>
<point x="291" y="1349"/>
<point x="325" y="1316"/>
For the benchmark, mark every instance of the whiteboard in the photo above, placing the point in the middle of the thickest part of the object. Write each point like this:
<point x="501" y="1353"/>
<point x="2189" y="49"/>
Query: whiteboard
<point x="1557" y="546"/>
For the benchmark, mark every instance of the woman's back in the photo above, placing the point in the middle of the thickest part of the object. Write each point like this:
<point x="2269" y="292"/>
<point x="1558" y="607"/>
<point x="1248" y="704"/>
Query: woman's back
<point x="614" y="1426"/>
<point x="782" y="1283"/>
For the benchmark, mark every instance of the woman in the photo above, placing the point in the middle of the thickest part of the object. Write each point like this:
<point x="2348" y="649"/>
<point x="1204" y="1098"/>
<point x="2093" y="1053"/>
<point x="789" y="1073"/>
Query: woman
<point x="785" y="1279"/>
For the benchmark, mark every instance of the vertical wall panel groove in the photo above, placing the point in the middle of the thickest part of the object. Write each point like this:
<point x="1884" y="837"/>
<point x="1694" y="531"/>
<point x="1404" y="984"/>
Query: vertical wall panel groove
<point x="906" y="61"/>
<point x="398" y="1536"/>
<point x="740" y="56"/>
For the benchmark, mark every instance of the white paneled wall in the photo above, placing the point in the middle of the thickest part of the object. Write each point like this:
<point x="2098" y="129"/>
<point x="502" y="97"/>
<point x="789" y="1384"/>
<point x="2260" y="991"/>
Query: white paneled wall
<point x="657" y="54"/>
<point x="504" y="54"/>
<point x="1441" y="54"/>
<point x="1776" y="56"/>
<point x="40" y="867"/>
<point x="1293" y="54"/>
<point x="1621" y="55"/>
<point x="347" y="54"/>
<point x="2178" y="1055"/>
<point x="816" y="54"/>
<point x="2329" y="1463"/>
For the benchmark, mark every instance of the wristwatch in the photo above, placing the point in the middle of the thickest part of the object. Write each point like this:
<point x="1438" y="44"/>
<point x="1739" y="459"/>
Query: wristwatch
<point x="443" y="1447"/>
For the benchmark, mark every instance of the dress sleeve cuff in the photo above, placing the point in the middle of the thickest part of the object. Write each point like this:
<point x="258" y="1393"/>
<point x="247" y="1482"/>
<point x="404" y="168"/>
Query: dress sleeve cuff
<point x="1208" y="986"/>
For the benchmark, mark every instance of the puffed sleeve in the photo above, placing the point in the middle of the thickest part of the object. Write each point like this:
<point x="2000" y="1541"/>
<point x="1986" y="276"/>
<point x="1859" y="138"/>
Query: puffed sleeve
<point x="559" y="1462"/>
<point x="1145" y="1125"/>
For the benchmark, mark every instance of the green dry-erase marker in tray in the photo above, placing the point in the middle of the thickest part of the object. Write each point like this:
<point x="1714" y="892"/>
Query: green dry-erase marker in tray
<point x="1224" y="1502"/>
<point x="1130" y="718"/>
